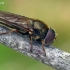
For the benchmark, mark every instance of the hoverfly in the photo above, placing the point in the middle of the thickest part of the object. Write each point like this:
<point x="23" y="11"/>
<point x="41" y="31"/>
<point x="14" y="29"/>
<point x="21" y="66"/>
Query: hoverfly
<point x="35" y="29"/>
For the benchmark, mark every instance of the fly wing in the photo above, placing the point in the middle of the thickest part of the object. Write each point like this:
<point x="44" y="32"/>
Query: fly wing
<point x="50" y="36"/>
<point x="15" y="20"/>
<point x="9" y="15"/>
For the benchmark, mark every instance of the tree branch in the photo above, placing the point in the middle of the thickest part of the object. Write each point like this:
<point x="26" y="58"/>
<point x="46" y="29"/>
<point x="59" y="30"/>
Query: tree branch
<point x="55" y="58"/>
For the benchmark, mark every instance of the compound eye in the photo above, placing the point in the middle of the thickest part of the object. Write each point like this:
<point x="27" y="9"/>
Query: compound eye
<point x="50" y="36"/>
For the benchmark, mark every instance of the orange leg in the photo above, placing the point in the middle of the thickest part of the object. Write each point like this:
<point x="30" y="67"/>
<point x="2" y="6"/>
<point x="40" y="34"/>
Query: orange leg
<point x="43" y="47"/>
<point x="11" y="30"/>
<point x="31" y="43"/>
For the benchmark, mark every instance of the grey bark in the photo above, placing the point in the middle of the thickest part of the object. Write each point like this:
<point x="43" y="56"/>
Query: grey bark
<point x="56" y="58"/>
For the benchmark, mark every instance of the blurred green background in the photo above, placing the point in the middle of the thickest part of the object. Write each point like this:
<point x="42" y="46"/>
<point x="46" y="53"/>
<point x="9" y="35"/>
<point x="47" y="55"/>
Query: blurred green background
<point x="55" y="13"/>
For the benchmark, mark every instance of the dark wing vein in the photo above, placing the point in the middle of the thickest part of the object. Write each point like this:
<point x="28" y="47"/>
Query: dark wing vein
<point x="14" y="20"/>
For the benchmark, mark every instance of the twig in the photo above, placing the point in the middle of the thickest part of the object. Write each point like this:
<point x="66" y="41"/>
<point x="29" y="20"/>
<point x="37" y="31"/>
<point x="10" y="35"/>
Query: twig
<point x="55" y="58"/>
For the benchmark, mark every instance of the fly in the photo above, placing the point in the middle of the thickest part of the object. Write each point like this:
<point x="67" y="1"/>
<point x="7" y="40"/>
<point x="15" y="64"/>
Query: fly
<point x="35" y="29"/>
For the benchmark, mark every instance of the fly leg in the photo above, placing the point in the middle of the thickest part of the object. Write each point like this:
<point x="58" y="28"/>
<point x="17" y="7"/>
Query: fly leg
<point x="11" y="30"/>
<point x="43" y="47"/>
<point x="31" y="44"/>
